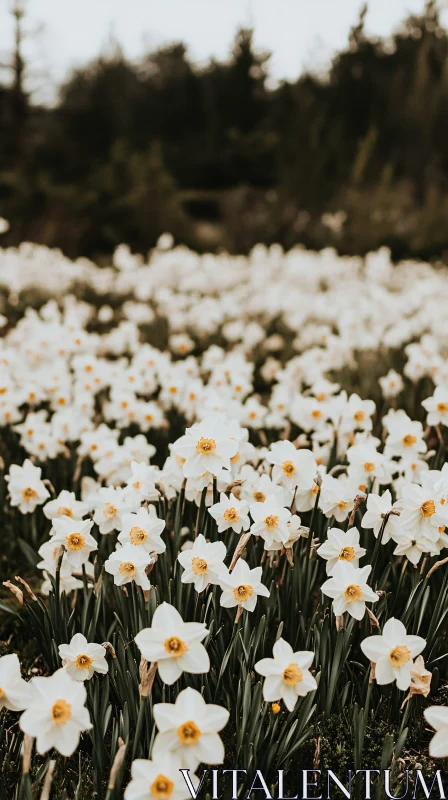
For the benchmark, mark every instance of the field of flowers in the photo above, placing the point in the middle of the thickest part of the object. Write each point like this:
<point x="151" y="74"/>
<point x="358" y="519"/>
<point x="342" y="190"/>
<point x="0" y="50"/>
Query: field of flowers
<point x="224" y="527"/>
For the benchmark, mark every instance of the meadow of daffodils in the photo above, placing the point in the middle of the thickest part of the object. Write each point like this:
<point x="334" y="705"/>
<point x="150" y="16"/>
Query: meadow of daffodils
<point x="224" y="518"/>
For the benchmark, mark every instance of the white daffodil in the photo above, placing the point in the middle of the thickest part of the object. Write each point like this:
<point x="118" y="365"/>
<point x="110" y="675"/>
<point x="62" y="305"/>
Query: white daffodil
<point x="341" y="546"/>
<point x="424" y="509"/>
<point x="141" y="486"/>
<point x="412" y="544"/>
<point x="357" y="414"/>
<point x="291" y="467"/>
<point x="82" y="659"/>
<point x="391" y="384"/>
<point x="50" y="551"/>
<point x="25" y="486"/>
<point x="230" y="513"/>
<point x="158" y="780"/>
<point x="392" y="653"/>
<point x="128" y="563"/>
<point x="206" y="447"/>
<point x="437" y="716"/>
<point x="377" y="508"/>
<point x="405" y="437"/>
<point x="365" y="464"/>
<point x="270" y="521"/>
<point x="336" y="497"/>
<point x="143" y="529"/>
<point x="306" y="494"/>
<point x="15" y="693"/>
<point x="287" y="674"/>
<point x="437" y="406"/>
<point x="110" y="506"/>
<point x="56" y="714"/>
<point x="349" y="590"/>
<point x="295" y="529"/>
<point x="256" y="488"/>
<point x="174" y="644"/>
<point x="75" y="535"/>
<point x="189" y="729"/>
<point x="65" y="505"/>
<point x="242" y="586"/>
<point x="203" y="563"/>
<point x="410" y="471"/>
<point x="67" y="581"/>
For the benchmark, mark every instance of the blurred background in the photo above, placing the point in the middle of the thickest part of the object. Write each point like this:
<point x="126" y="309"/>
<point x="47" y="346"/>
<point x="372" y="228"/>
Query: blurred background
<point x="343" y="143"/>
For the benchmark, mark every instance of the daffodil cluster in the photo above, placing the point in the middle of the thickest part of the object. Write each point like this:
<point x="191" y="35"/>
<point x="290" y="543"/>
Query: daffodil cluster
<point x="229" y="479"/>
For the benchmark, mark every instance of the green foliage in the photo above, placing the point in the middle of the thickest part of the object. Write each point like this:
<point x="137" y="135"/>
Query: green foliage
<point x="219" y="157"/>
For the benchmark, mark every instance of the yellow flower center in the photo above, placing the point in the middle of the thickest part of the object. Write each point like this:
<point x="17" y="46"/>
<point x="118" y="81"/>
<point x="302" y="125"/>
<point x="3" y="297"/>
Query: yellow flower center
<point x="109" y="510"/>
<point x="231" y="515"/>
<point x="162" y="788"/>
<point x="128" y="569"/>
<point x="369" y="466"/>
<point x="271" y="523"/>
<point x="399" y="656"/>
<point x="288" y="468"/>
<point x="428" y="508"/>
<point x="83" y="661"/>
<point x="441" y="529"/>
<point x="359" y="416"/>
<point x="199" y="565"/>
<point x="235" y="458"/>
<point x="315" y="489"/>
<point x="205" y="447"/>
<point x="347" y="554"/>
<point x="442" y="407"/>
<point x="352" y="593"/>
<point x="2" y="693"/>
<point x="292" y="675"/>
<point x="275" y="708"/>
<point x="259" y="497"/>
<point x="137" y="485"/>
<point x="321" y="397"/>
<point x="409" y="440"/>
<point x="28" y="493"/>
<point x="65" y="511"/>
<point x="342" y="504"/>
<point x="175" y="647"/>
<point x="75" y="541"/>
<point x="61" y="712"/>
<point x="137" y="535"/>
<point x="316" y="413"/>
<point x="243" y="592"/>
<point x="188" y="732"/>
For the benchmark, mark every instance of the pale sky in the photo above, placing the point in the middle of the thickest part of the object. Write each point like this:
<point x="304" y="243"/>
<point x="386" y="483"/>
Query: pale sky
<point x="299" y="33"/>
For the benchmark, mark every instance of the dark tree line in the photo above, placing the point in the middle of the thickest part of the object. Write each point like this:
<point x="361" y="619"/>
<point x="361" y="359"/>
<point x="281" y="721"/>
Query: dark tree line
<point x="222" y="160"/>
